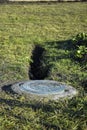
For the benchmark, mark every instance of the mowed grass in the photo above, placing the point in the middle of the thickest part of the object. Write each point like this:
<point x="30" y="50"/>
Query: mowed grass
<point x="22" y="26"/>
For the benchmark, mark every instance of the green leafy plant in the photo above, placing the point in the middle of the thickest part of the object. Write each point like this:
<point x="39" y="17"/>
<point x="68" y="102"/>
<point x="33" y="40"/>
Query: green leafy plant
<point x="80" y="47"/>
<point x="81" y="52"/>
<point x="80" y="39"/>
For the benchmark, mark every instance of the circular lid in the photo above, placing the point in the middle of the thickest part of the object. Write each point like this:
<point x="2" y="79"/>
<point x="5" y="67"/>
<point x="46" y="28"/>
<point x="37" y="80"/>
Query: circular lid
<point x="44" y="88"/>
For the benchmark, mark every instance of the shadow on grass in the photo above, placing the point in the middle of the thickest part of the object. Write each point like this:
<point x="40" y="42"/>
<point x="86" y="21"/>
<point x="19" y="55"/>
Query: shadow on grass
<point x="16" y="101"/>
<point x="8" y="89"/>
<point x="64" y="50"/>
<point x="64" y="45"/>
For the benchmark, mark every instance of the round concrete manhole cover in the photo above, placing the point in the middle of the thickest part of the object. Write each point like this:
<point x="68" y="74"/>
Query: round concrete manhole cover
<point x="44" y="88"/>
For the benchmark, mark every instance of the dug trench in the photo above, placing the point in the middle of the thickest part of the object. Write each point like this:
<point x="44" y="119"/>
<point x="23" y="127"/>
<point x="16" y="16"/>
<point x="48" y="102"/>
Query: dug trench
<point x="38" y="71"/>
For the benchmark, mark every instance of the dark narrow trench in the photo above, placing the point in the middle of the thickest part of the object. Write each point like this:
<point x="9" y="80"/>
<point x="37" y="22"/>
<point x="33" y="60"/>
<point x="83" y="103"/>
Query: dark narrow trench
<point x="37" y="71"/>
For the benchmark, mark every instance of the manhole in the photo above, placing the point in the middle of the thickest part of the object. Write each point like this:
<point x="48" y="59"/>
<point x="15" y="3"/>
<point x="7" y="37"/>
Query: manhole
<point x="44" y="88"/>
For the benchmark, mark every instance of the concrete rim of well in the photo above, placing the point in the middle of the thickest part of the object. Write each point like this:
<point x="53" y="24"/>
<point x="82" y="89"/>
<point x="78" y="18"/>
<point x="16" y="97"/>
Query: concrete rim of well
<point x="65" y="94"/>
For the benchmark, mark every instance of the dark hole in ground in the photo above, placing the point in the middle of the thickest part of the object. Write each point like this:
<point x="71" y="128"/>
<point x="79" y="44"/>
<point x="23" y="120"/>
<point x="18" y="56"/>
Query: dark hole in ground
<point x="37" y="70"/>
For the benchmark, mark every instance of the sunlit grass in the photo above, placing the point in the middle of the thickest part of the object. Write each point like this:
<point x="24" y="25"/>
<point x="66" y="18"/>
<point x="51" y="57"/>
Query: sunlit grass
<point x="51" y="26"/>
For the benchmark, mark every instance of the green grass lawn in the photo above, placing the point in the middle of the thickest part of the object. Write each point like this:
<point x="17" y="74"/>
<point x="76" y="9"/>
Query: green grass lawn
<point x="51" y="26"/>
